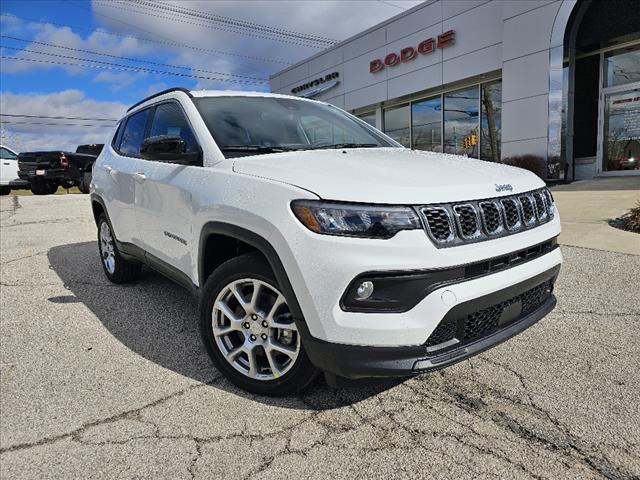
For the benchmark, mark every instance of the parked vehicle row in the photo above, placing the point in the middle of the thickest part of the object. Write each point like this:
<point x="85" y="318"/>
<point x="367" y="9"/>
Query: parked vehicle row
<point x="316" y="243"/>
<point x="43" y="172"/>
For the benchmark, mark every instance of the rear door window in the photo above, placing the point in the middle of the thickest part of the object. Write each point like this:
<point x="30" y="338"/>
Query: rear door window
<point x="134" y="133"/>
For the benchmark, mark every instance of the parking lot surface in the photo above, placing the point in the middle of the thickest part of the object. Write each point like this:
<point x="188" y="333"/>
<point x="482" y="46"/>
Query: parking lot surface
<point x="104" y="381"/>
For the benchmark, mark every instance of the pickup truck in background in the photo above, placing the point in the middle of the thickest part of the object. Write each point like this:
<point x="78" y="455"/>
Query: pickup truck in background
<point x="46" y="171"/>
<point x="9" y="171"/>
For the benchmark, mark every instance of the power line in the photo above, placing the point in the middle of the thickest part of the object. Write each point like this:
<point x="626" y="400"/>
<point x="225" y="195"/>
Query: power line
<point x="59" y="117"/>
<point x="264" y="80"/>
<point x="113" y="66"/>
<point x="158" y="4"/>
<point x="208" y="51"/>
<point x="173" y="18"/>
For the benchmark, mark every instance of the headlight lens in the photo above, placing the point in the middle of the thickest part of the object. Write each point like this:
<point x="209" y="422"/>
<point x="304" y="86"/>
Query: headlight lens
<point x="366" y="221"/>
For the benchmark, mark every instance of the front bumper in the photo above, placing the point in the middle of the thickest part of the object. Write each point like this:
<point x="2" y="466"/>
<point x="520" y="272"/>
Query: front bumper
<point x="354" y="361"/>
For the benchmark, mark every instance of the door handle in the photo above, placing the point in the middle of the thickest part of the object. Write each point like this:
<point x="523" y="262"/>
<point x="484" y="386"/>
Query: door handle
<point x="108" y="168"/>
<point x="140" y="177"/>
<point x="7" y="163"/>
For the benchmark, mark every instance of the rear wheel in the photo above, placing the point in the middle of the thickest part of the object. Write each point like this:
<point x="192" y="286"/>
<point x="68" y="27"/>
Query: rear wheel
<point x="85" y="182"/>
<point x="249" y="331"/>
<point x="115" y="266"/>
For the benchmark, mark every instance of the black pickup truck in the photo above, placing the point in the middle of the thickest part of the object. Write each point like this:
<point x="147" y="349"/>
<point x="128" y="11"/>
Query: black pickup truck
<point x="46" y="171"/>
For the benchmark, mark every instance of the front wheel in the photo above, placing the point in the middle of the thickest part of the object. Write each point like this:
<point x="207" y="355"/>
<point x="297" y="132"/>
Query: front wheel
<point x="249" y="331"/>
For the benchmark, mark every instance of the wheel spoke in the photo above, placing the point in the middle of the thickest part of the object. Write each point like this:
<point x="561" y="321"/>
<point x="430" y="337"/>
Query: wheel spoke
<point x="277" y="304"/>
<point x="278" y="347"/>
<point x="253" y="362"/>
<point x="226" y="311"/>
<point x="241" y="300"/>
<point x="254" y="295"/>
<point x="275" y="371"/>
<point x="233" y="354"/>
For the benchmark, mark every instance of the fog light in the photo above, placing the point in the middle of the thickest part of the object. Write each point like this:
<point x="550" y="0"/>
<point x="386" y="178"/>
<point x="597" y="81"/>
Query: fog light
<point x="364" y="291"/>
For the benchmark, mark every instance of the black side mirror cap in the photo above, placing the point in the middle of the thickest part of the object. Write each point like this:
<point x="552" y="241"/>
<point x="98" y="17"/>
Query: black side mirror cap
<point x="170" y="149"/>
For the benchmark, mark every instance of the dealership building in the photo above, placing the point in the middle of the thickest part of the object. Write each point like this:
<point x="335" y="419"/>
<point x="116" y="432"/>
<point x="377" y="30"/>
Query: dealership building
<point x="550" y="85"/>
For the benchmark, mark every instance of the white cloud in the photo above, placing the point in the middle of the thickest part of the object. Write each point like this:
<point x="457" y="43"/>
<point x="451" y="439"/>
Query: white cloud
<point x="97" y="41"/>
<point x="68" y="103"/>
<point x="334" y="19"/>
<point x="118" y="81"/>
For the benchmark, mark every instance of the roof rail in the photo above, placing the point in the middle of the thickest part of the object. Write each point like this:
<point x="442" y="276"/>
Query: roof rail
<point x="168" y="90"/>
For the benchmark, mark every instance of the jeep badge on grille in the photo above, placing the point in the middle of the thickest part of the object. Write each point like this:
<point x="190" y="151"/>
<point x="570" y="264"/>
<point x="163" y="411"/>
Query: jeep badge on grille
<point x="504" y="187"/>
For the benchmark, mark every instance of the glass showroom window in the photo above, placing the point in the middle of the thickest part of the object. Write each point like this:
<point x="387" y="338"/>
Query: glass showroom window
<point x="461" y="122"/>
<point x="370" y="118"/>
<point x="426" y="124"/>
<point x="622" y="66"/>
<point x="491" y="121"/>
<point x="397" y="121"/>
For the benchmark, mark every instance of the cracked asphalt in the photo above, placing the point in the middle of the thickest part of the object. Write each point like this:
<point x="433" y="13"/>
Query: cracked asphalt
<point x="103" y="381"/>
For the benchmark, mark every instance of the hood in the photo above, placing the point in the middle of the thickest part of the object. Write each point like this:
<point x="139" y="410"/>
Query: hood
<point x="389" y="175"/>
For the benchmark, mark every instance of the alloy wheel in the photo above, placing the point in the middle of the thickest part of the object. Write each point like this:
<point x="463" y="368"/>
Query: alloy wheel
<point x="254" y="329"/>
<point x="107" y="248"/>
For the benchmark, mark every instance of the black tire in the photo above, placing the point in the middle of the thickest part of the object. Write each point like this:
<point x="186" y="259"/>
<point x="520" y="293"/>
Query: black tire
<point x="85" y="183"/>
<point x="124" y="271"/>
<point x="43" y="187"/>
<point x="252" y="266"/>
<point x="5" y="190"/>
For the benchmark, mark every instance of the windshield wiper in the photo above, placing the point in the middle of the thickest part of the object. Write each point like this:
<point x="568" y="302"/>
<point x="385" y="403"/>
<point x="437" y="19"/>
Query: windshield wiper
<point x="255" y="148"/>
<point x="346" y="145"/>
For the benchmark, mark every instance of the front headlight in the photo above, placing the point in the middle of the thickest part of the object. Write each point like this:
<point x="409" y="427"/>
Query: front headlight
<point x="353" y="220"/>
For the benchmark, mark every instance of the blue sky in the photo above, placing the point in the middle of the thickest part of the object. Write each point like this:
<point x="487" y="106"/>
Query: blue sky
<point x="91" y="59"/>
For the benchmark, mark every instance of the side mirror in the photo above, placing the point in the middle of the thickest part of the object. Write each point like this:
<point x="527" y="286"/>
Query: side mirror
<point x="170" y="149"/>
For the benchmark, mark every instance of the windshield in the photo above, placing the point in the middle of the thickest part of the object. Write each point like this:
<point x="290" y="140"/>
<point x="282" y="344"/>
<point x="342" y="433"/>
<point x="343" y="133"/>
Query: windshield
<point x="254" y="125"/>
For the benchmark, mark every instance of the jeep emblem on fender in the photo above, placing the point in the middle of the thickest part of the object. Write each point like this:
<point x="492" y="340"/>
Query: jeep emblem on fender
<point x="504" y="187"/>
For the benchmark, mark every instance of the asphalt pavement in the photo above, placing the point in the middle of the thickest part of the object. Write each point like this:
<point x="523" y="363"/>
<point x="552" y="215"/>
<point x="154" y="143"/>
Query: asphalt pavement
<point x="104" y="381"/>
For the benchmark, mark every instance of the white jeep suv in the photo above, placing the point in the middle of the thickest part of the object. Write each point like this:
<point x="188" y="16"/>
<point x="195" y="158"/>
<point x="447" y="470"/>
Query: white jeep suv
<point x="316" y="243"/>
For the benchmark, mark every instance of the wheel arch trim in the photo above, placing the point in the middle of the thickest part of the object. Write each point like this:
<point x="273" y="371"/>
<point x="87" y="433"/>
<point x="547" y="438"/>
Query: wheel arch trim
<point x="259" y="243"/>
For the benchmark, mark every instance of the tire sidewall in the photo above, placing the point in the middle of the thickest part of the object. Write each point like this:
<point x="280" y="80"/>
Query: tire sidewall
<point x="254" y="267"/>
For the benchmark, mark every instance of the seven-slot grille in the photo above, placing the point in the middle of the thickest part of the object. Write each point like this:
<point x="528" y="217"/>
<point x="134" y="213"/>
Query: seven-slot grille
<point x="466" y="222"/>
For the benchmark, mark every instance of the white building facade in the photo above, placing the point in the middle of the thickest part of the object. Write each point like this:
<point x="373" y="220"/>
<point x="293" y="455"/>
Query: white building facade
<point x="551" y="85"/>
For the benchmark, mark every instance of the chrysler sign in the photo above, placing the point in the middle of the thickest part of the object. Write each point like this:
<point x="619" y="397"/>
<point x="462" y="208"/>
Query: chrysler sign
<point x="409" y="53"/>
<point x="317" y="86"/>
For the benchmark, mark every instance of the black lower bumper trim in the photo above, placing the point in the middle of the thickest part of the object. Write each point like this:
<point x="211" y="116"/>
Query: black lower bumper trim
<point x="355" y="361"/>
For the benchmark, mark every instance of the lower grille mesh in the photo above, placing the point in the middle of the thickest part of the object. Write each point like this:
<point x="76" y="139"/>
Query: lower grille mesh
<point x="483" y="322"/>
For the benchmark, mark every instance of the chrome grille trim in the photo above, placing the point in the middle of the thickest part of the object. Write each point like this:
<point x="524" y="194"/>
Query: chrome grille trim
<point x="432" y="229"/>
<point x="467" y="213"/>
<point x="484" y="213"/>
<point x="518" y="223"/>
<point x="527" y="209"/>
<point x="459" y="223"/>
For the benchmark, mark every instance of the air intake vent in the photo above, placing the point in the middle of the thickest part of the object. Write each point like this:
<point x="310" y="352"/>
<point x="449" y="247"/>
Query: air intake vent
<point x="467" y="219"/>
<point x="491" y="217"/>
<point x="511" y="214"/>
<point x="528" y="213"/>
<point x="439" y="224"/>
